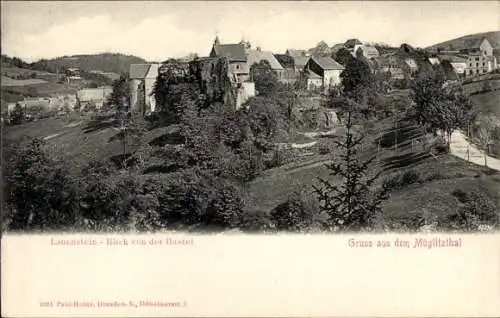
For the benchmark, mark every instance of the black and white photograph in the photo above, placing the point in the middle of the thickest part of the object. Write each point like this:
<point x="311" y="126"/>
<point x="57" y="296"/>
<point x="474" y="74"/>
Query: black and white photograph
<point x="250" y="117"/>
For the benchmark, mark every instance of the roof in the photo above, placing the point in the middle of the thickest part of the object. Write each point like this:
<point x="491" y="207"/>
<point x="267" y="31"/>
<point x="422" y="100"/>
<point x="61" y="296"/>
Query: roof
<point x="285" y="60"/>
<point x="139" y="71"/>
<point x="352" y="42"/>
<point x="296" y="53"/>
<point x="301" y="61"/>
<point x="327" y="63"/>
<point x="255" y="56"/>
<point x="453" y="58"/>
<point x="337" y="47"/>
<point x="235" y="52"/>
<point x="370" y="50"/>
<point x="411" y="62"/>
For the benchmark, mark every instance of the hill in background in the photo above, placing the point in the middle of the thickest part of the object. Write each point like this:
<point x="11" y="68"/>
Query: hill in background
<point x="105" y="62"/>
<point x="460" y="43"/>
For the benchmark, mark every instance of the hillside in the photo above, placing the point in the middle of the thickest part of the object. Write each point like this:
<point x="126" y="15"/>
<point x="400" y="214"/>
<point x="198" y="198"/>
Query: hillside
<point x="105" y="62"/>
<point x="461" y="42"/>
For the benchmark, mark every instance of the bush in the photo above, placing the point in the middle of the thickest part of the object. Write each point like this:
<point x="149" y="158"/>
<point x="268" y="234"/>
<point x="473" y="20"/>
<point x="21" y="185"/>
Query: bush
<point x="477" y="211"/>
<point x="299" y="213"/>
<point x="41" y="195"/>
<point x="400" y="181"/>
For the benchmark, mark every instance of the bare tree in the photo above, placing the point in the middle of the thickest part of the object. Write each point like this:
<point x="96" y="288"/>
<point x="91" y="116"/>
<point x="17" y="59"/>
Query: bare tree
<point x="486" y="134"/>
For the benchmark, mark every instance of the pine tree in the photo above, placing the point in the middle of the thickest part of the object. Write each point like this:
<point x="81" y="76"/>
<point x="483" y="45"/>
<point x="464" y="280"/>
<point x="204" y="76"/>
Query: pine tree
<point x="355" y="203"/>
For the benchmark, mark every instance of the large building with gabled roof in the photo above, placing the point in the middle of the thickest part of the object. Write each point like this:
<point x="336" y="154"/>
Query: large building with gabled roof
<point x="142" y="81"/>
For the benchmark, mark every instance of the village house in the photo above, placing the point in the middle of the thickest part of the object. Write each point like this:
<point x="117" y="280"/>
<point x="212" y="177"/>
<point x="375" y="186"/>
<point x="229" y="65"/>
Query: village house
<point x="368" y="52"/>
<point x="142" y="82"/>
<point x="73" y="73"/>
<point x="353" y="45"/>
<point x="256" y="56"/>
<point x="93" y="97"/>
<point x="478" y="63"/>
<point x="288" y="64"/>
<point x="434" y="60"/>
<point x="412" y="65"/>
<point x="296" y="53"/>
<point x="459" y="63"/>
<point x="326" y="68"/>
<point x="237" y="57"/>
<point x="480" y="58"/>
<point x="389" y="64"/>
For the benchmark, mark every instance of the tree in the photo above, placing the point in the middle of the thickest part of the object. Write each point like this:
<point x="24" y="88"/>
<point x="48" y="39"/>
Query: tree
<point x="42" y="194"/>
<point x="343" y="56"/>
<point x="486" y="128"/>
<point x="120" y="95"/>
<point x="438" y="107"/>
<point x="355" y="203"/>
<point x="18" y="115"/>
<point x="357" y="80"/>
<point x="266" y="81"/>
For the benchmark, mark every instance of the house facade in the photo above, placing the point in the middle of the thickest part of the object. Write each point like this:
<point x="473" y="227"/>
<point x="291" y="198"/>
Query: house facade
<point x="480" y="57"/>
<point x="257" y="55"/>
<point x="142" y="82"/>
<point x="237" y="57"/>
<point x="93" y="96"/>
<point x="326" y="68"/>
<point x="478" y="63"/>
<point x="368" y="52"/>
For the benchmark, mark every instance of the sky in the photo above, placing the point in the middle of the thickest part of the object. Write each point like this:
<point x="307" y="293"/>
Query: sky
<point x="158" y="30"/>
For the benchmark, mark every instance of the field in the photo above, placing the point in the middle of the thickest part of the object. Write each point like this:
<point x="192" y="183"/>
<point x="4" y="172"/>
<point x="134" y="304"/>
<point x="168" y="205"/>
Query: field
<point x="7" y="81"/>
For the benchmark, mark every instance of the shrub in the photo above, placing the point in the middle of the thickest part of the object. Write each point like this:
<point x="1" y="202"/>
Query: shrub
<point x="301" y="212"/>
<point x="477" y="210"/>
<point x="402" y="180"/>
<point x="41" y="193"/>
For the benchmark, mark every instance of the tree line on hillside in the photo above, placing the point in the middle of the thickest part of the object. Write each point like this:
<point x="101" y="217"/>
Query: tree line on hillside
<point x="106" y="62"/>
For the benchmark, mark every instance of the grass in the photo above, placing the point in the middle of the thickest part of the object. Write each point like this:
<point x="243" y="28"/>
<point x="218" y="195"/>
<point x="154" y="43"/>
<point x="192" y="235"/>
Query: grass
<point x="488" y="103"/>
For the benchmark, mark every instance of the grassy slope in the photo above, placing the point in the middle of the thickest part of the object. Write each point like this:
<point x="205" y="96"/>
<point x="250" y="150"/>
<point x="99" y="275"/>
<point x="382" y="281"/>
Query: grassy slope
<point x="488" y="103"/>
<point x="433" y="196"/>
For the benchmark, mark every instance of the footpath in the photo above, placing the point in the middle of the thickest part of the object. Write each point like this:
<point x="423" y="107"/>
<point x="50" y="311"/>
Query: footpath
<point x="463" y="149"/>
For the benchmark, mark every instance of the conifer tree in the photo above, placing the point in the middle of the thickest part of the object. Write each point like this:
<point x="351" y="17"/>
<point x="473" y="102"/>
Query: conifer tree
<point x="355" y="202"/>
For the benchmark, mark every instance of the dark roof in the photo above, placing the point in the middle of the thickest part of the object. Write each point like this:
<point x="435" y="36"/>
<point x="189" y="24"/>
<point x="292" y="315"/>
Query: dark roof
<point x="327" y="63"/>
<point x="336" y="47"/>
<point x="285" y="60"/>
<point x="139" y="71"/>
<point x="452" y="58"/>
<point x="311" y="74"/>
<point x="235" y="52"/>
<point x="352" y="42"/>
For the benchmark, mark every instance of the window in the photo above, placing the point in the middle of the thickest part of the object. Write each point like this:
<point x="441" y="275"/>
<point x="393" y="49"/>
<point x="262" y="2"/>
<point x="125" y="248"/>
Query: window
<point x="477" y="64"/>
<point x="484" y="64"/>
<point x="237" y="67"/>
<point x="477" y="58"/>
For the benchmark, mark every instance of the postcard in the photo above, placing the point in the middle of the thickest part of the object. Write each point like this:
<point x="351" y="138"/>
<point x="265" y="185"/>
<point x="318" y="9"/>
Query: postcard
<point x="250" y="159"/>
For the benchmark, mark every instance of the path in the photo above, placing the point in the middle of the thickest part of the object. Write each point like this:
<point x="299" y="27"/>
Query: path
<point x="458" y="146"/>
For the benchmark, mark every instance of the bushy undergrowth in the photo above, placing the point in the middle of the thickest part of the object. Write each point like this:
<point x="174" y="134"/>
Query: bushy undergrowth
<point x="300" y="213"/>
<point x="42" y="195"/>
